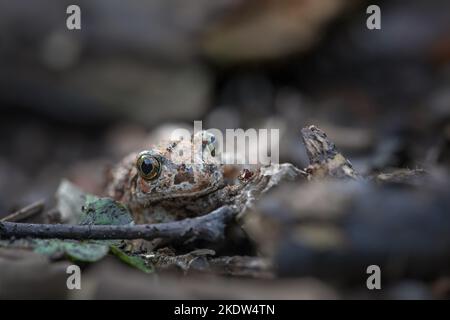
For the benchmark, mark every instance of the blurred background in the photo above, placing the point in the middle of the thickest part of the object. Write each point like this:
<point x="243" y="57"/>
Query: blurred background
<point x="74" y="102"/>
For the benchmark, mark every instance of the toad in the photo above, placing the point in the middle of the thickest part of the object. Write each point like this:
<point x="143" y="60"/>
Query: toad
<point x="173" y="180"/>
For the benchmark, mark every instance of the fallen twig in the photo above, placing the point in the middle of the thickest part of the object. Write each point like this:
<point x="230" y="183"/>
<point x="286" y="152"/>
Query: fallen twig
<point x="25" y="213"/>
<point x="209" y="227"/>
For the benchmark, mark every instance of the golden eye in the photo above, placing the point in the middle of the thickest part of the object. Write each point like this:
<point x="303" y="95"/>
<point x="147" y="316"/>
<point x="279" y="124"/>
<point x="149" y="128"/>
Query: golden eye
<point x="148" y="166"/>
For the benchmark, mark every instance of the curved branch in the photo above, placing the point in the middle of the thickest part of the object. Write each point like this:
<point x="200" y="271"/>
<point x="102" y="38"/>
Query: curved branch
<point x="209" y="227"/>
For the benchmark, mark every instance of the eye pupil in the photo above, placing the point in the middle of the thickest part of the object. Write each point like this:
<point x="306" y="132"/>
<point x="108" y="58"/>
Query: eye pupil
<point x="147" y="166"/>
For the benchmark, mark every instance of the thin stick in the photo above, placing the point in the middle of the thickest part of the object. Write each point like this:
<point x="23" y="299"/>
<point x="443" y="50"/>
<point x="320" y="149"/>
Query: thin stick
<point x="26" y="212"/>
<point x="209" y="227"/>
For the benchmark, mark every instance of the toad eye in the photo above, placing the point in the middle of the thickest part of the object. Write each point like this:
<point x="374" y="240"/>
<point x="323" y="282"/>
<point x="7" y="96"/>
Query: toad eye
<point x="148" y="166"/>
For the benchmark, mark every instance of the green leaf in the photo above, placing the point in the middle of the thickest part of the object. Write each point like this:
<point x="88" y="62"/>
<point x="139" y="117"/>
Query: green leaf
<point x="104" y="211"/>
<point x="87" y="251"/>
<point x="132" y="260"/>
<point x="95" y="211"/>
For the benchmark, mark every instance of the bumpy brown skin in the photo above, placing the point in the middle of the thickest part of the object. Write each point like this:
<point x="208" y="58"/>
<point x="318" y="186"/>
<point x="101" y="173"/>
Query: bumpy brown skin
<point x="185" y="188"/>
<point x="191" y="183"/>
<point x="160" y="199"/>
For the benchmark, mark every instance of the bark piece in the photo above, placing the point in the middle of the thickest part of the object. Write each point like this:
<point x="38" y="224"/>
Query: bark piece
<point x="325" y="160"/>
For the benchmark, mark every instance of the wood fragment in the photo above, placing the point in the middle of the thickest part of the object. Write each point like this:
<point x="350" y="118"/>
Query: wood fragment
<point x="243" y="266"/>
<point x="26" y="212"/>
<point x="209" y="228"/>
<point x="401" y="176"/>
<point x="202" y="261"/>
<point x="325" y="160"/>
